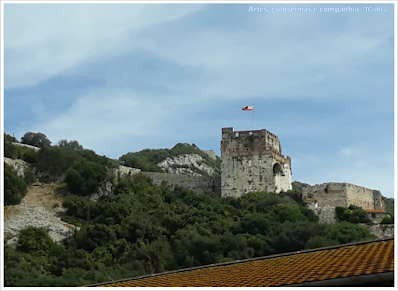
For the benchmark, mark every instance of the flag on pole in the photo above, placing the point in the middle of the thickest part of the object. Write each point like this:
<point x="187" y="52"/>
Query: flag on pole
<point x="247" y="108"/>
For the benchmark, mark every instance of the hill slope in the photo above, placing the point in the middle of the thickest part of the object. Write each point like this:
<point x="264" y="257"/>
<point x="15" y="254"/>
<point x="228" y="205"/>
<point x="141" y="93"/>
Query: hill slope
<point x="183" y="158"/>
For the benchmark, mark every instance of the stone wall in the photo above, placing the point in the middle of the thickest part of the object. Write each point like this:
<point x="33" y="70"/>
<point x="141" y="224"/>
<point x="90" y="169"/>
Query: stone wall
<point x="123" y="171"/>
<point x="194" y="183"/>
<point x="326" y="214"/>
<point x="381" y="230"/>
<point x="36" y="149"/>
<point x="211" y="154"/>
<point x="198" y="184"/>
<point x="283" y="181"/>
<point x="327" y="194"/>
<point x="253" y="161"/>
<point x="343" y="194"/>
<point x="378" y="200"/>
<point x="360" y="196"/>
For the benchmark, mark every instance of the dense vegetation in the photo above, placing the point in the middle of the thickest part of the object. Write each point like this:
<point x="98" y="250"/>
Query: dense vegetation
<point x="144" y="229"/>
<point x="16" y="152"/>
<point x="148" y="159"/>
<point x="352" y="214"/>
<point x="35" y="139"/>
<point x="15" y="187"/>
<point x="82" y="169"/>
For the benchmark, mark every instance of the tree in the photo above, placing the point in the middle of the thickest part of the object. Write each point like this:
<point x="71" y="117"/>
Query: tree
<point x="319" y="242"/>
<point x="35" y="139"/>
<point x="345" y="232"/>
<point x="353" y="214"/>
<point x="85" y="177"/>
<point x="154" y="256"/>
<point x="55" y="160"/>
<point x="34" y="240"/>
<point x="73" y="144"/>
<point x="9" y="138"/>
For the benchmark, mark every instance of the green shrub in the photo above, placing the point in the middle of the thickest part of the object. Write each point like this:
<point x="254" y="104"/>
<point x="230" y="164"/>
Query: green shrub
<point x="56" y="160"/>
<point x="15" y="187"/>
<point x="319" y="242"/>
<point x="85" y="177"/>
<point x="352" y="214"/>
<point x="36" y="139"/>
<point x="34" y="240"/>
<point x="345" y="232"/>
<point x="387" y="220"/>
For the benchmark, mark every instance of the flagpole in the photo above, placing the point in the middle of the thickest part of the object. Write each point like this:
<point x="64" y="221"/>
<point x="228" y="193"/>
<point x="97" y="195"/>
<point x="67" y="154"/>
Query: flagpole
<point x="254" y="127"/>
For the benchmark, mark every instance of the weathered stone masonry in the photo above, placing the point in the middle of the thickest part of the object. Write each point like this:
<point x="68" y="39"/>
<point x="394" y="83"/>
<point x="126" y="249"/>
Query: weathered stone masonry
<point x="198" y="184"/>
<point x="343" y="194"/>
<point x="252" y="161"/>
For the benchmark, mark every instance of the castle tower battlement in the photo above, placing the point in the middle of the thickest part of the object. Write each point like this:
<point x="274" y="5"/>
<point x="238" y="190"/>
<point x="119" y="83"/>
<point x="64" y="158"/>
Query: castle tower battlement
<point x="252" y="160"/>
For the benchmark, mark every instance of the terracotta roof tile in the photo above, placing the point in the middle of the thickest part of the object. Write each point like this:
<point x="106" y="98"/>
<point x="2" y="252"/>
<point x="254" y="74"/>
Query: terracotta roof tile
<point x="375" y="211"/>
<point x="279" y="270"/>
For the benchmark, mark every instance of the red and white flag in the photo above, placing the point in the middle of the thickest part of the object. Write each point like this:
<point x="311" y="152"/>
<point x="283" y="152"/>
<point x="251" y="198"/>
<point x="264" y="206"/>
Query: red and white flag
<point x="247" y="108"/>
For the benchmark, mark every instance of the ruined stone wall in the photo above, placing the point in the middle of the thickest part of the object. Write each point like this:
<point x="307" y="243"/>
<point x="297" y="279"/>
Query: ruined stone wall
<point x="248" y="160"/>
<point x="326" y="214"/>
<point x="378" y="200"/>
<point x="123" y="171"/>
<point x="327" y="194"/>
<point x="359" y="196"/>
<point x="381" y="230"/>
<point x="194" y="183"/>
<point x="343" y="194"/>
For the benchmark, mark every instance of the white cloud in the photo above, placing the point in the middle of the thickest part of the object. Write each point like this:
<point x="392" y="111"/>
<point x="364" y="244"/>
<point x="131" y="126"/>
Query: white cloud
<point x="42" y="40"/>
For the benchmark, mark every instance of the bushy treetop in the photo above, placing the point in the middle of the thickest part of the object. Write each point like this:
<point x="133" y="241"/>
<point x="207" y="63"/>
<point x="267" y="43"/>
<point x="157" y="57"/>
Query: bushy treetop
<point x="36" y="139"/>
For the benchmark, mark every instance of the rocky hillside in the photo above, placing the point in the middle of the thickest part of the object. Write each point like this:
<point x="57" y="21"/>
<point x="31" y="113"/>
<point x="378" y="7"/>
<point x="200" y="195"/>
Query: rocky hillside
<point x="41" y="207"/>
<point x="51" y="167"/>
<point x="187" y="164"/>
<point x="182" y="159"/>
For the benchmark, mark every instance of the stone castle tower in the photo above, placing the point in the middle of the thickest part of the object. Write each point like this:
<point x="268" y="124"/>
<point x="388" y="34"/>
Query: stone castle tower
<point x="252" y="161"/>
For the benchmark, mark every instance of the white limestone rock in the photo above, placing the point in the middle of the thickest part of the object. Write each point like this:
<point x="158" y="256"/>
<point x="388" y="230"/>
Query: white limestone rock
<point x="170" y="165"/>
<point x="19" y="166"/>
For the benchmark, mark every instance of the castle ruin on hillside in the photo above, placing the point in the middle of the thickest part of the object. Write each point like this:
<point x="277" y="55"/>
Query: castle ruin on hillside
<point x="343" y="194"/>
<point x="252" y="161"/>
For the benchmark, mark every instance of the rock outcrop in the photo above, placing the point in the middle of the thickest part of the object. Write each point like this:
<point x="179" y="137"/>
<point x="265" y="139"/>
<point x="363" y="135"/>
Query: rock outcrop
<point x="20" y="166"/>
<point x="186" y="165"/>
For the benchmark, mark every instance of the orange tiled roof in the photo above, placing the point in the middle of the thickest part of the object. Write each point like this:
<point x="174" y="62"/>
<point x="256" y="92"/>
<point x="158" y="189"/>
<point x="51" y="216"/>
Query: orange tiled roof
<point x="344" y="261"/>
<point x="375" y="211"/>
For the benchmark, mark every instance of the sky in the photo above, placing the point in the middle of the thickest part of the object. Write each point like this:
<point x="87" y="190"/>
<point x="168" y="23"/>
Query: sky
<point x="124" y="77"/>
